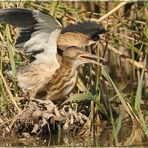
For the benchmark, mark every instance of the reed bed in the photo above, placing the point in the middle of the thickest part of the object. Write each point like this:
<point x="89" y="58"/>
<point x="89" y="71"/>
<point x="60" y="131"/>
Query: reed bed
<point x="112" y="96"/>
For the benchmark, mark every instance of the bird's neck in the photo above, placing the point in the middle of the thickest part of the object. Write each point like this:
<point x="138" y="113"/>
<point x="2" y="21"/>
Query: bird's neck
<point x="67" y="63"/>
<point x="66" y="67"/>
<point x="63" y="81"/>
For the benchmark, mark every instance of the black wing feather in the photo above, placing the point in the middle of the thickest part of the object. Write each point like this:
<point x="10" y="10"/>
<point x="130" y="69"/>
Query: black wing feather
<point x="88" y="27"/>
<point x="17" y="17"/>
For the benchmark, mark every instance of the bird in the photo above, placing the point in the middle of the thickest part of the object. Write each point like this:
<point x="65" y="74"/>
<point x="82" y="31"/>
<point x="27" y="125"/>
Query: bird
<point x="64" y="79"/>
<point x="41" y="37"/>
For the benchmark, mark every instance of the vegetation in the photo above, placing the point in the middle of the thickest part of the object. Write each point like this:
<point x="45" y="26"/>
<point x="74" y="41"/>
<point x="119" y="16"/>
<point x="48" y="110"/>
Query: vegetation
<point x="110" y="101"/>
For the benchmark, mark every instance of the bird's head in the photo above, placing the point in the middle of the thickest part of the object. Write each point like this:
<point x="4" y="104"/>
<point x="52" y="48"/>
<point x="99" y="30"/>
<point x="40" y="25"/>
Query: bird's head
<point x="81" y="34"/>
<point x="92" y="30"/>
<point x="89" y="28"/>
<point x="78" y="56"/>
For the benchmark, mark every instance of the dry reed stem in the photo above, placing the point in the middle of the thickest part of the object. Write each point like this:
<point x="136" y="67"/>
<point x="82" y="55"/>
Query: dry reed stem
<point x="112" y="11"/>
<point x="131" y="61"/>
<point x="9" y="92"/>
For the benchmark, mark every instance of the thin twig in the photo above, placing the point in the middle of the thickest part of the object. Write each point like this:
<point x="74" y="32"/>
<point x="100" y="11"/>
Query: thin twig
<point x="9" y="92"/>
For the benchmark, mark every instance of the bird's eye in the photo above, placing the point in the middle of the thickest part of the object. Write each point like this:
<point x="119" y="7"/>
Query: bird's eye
<point x="60" y="51"/>
<point x="95" y="37"/>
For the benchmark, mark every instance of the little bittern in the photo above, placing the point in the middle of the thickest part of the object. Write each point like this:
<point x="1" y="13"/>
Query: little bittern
<point x="41" y="37"/>
<point x="61" y="83"/>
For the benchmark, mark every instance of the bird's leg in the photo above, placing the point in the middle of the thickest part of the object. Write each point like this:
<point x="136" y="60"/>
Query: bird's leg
<point x="32" y="94"/>
<point x="50" y="106"/>
<point x="25" y="96"/>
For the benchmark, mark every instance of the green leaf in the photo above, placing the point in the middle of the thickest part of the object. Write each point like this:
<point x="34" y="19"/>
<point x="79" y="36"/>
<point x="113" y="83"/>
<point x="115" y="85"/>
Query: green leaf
<point x="139" y="88"/>
<point x="79" y="98"/>
<point x="119" y="94"/>
<point x="10" y="49"/>
<point x="119" y="124"/>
